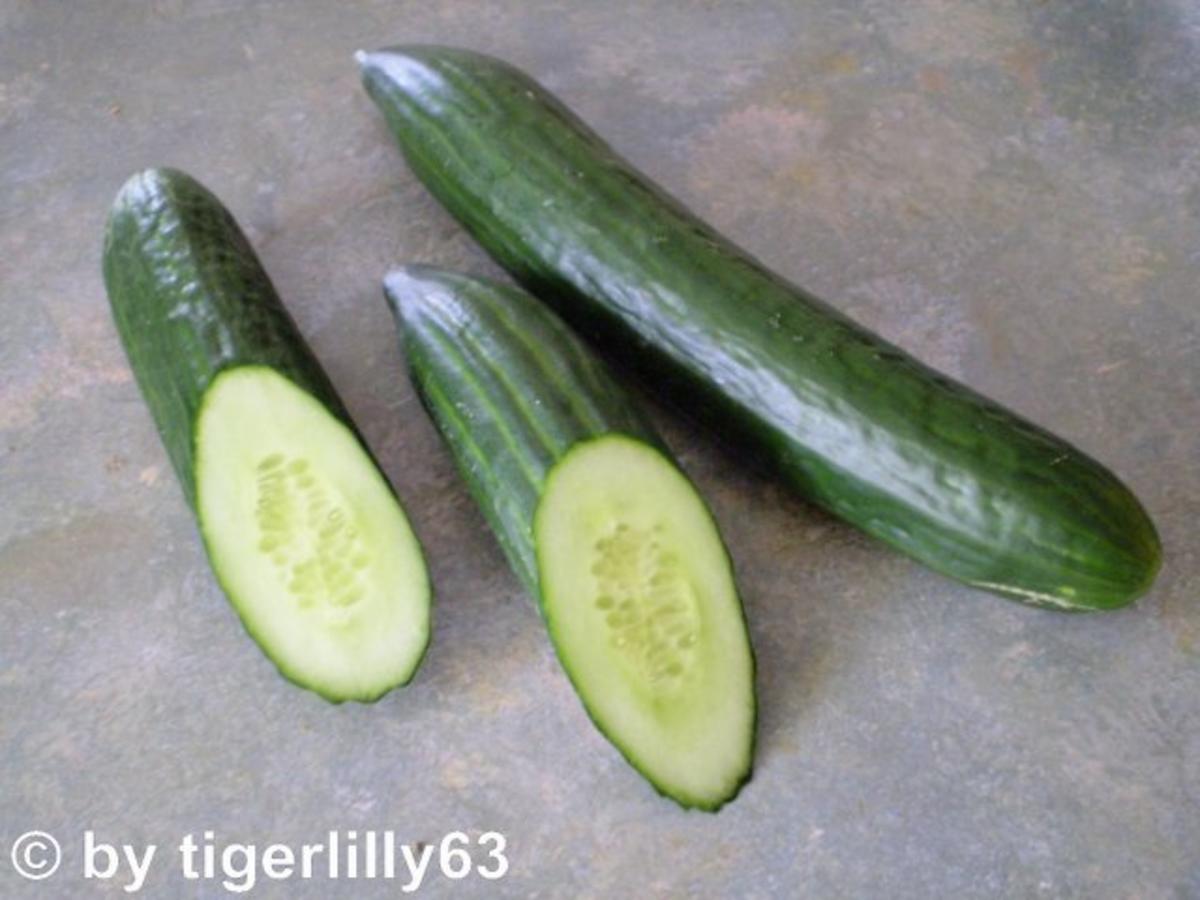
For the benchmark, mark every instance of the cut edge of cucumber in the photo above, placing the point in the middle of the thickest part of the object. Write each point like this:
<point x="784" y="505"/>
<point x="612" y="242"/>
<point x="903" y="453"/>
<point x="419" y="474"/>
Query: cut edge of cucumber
<point x="639" y="597"/>
<point x="307" y="538"/>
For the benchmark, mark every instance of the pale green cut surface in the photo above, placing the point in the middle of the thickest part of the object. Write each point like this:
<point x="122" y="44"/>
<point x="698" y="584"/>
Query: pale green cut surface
<point x="307" y="539"/>
<point x="640" y="601"/>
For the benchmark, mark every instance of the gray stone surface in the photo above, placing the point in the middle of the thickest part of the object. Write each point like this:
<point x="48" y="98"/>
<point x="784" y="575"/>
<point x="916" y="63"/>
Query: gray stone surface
<point x="1008" y="189"/>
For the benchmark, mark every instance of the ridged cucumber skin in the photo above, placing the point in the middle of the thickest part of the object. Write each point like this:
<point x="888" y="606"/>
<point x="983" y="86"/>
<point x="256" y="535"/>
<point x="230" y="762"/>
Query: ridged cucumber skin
<point x="190" y="298"/>
<point x="512" y="390"/>
<point x="904" y="452"/>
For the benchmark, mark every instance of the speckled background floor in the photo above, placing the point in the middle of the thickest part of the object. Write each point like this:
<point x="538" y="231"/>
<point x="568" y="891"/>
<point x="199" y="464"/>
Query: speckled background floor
<point x="1009" y="189"/>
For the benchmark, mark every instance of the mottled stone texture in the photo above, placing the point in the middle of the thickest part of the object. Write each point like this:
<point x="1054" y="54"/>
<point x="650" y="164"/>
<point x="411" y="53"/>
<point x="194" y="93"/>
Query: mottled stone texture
<point x="1009" y="189"/>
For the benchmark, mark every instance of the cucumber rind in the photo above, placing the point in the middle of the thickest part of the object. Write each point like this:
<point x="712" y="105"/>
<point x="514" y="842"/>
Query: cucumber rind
<point x="177" y="264"/>
<point x="937" y="471"/>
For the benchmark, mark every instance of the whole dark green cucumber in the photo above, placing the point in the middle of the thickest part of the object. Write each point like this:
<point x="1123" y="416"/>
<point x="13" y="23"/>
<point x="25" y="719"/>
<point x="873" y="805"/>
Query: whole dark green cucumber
<point x="904" y="452"/>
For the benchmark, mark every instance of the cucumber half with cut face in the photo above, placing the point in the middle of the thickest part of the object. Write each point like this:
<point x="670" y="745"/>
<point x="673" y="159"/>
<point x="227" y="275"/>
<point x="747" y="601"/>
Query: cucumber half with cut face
<point x="304" y="534"/>
<point x="627" y="564"/>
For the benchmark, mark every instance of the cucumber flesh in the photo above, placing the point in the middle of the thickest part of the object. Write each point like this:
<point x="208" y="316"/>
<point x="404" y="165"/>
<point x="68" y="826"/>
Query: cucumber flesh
<point x="640" y="603"/>
<point x="306" y="537"/>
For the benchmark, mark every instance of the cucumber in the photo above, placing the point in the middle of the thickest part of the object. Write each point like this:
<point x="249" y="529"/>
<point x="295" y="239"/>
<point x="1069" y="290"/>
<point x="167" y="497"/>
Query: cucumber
<point x="627" y="565"/>
<point x="304" y="534"/>
<point x="898" y="449"/>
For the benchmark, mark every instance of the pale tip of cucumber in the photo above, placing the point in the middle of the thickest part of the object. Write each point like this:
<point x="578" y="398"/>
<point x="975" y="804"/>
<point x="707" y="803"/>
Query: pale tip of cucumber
<point x="360" y="57"/>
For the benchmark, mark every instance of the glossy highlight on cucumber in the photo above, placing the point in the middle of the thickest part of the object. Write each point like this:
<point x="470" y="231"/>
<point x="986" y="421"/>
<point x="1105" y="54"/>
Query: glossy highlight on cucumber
<point x="304" y="533"/>
<point x="912" y="457"/>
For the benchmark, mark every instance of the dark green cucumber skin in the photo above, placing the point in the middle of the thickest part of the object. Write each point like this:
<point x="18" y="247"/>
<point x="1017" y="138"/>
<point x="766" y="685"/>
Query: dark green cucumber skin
<point x="190" y="299"/>
<point x="512" y="390"/>
<point x="912" y="457"/>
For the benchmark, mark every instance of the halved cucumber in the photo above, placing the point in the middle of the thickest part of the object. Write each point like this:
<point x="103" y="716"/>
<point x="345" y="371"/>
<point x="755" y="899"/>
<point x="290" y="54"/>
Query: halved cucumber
<point x="304" y="534"/>
<point x="632" y="577"/>
<point x="640" y="603"/>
